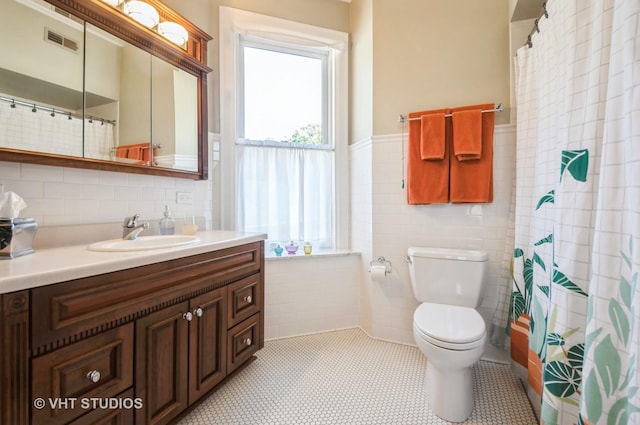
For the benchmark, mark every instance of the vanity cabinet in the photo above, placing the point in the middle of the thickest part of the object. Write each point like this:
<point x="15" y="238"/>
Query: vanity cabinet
<point x="159" y="337"/>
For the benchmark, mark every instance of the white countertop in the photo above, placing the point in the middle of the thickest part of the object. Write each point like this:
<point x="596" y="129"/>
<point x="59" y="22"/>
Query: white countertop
<point x="54" y="265"/>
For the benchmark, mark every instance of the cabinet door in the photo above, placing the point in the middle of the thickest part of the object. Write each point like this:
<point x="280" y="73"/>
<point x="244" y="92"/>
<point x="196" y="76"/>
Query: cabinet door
<point x="207" y="342"/>
<point x="97" y="367"/>
<point x="162" y="364"/>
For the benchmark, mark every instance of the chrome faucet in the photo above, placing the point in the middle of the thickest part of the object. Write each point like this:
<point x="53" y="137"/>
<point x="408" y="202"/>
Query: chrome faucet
<point x="131" y="229"/>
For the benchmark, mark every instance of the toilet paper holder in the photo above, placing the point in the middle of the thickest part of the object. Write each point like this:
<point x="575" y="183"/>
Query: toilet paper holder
<point x="381" y="261"/>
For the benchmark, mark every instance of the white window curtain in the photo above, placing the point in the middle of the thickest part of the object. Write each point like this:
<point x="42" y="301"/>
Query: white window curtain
<point x="286" y="192"/>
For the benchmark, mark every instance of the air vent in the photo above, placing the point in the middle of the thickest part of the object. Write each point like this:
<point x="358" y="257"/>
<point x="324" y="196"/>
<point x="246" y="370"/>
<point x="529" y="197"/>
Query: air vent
<point x="61" y="12"/>
<point x="60" y="40"/>
<point x="67" y="15"/>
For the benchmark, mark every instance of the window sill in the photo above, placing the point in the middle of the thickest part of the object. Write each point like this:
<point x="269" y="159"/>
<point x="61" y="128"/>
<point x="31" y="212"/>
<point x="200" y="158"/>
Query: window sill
<point x="320" y="254"/>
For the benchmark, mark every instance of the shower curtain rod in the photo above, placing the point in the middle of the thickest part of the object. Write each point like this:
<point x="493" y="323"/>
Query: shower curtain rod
<point x="53" y="111"/>
<point x="535" y="28"/>
<point x="497" y="108"/>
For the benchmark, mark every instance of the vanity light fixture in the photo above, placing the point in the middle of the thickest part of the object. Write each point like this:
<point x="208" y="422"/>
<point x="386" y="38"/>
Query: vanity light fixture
<point x="147" y="15"/>
<point x="173" y="32"/>
<point x="142" y="12"/>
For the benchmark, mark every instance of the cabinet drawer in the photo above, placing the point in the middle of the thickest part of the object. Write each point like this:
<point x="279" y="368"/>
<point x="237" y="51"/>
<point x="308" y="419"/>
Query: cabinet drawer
<point x="113" y="415"/>
<point x="100" y="366"/>
<point x="244" y="299"/>
<point x="242" y="342"/>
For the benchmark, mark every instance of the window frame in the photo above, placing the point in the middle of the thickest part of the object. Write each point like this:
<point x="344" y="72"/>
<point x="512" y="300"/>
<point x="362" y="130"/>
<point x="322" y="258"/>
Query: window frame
<point x="234" y="22"/>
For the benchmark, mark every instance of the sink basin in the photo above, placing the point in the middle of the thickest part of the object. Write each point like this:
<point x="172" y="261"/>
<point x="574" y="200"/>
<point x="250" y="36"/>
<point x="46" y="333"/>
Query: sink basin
<point x="143" y="243"/>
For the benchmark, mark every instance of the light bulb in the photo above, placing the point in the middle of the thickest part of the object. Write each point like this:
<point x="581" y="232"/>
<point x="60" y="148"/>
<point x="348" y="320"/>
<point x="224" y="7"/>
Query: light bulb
<point x="142" y="12"/>
<point x="173" y="32"/>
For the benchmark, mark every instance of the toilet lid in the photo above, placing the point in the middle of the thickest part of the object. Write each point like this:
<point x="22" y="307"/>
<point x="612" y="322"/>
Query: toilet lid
<point x="449" y="323"/>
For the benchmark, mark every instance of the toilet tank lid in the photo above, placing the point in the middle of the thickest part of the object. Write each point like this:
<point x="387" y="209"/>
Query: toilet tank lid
<point x="447" y="253"/>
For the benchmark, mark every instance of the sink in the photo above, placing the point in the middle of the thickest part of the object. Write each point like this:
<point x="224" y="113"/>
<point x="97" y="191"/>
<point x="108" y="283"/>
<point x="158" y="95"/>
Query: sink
<point x="143" y="243"/>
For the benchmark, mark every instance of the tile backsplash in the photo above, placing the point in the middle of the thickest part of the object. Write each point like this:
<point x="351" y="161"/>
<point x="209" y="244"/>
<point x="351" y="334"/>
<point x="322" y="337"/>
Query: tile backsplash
<point x="58" y="196"/>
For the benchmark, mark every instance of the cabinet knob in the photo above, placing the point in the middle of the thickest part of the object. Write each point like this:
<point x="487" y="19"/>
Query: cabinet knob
<point x="198" y="312"/>
<point x="247" y="342"/>
<point x="93" y="376"/>
<point x="248" y="298"/>
<point x="187" y="316"/>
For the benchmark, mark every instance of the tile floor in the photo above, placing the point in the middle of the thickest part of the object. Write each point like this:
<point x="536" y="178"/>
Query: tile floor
<point x="345" y="377"/>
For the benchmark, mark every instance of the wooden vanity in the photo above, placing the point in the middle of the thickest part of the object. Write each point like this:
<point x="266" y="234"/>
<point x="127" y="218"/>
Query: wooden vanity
<point x="140" y="345"/>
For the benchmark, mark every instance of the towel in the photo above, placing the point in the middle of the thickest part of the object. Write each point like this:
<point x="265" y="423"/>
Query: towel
<point x="467" y="134"/>
<point x="122" y="151"/>
<point x="135" y="152"/>
<point x="472" y="181"/>
<point x="432" y="136"/>
<point x="427" y="181"/>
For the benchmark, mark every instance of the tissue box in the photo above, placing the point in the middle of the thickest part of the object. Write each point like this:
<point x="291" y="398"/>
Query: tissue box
<point x="16" y="236"/>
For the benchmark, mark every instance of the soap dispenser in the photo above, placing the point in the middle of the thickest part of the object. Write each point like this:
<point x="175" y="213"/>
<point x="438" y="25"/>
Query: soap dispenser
<point x="167" y="224"/>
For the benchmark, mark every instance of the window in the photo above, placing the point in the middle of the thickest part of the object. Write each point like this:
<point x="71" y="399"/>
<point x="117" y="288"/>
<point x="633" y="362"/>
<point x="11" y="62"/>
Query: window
<point x="286" y="129"/>
<point x="283" y="93"/>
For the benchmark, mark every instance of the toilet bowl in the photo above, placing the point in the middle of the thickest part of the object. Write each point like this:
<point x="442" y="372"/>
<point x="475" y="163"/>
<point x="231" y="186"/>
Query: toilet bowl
<point x="446" y="326"/>
<point x="452" y="338"/>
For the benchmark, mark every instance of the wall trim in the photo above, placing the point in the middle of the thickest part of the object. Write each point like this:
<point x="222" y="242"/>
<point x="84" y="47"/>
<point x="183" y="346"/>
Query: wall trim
<point x="362" y="144"/>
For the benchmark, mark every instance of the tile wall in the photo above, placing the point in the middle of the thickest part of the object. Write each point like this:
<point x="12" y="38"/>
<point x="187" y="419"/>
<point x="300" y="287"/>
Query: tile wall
<point x="377" y="166"/>
<point x="58" y="196"/>
<point x="309" y="295"/>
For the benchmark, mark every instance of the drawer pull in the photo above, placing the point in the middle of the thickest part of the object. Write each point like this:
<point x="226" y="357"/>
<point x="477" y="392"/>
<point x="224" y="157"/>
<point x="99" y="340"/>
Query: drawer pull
<point x="247" y="342"/>
<point x="93" y="376"/>
<point x="198" y="312"/>
<point x="187" y="316"/>
<point x="248" y="298"/>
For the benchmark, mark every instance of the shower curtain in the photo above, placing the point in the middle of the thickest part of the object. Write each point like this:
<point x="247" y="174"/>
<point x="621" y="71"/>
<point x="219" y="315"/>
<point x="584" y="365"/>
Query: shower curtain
<point x="575" y="303"/>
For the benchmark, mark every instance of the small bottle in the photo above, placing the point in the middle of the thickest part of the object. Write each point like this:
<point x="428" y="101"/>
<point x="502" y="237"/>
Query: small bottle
<point x="167" y="225"/>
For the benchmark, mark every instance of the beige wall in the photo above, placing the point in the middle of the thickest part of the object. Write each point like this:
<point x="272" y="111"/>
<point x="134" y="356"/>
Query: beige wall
<point x="440" y="53"/>
<point x="361" y="71"/>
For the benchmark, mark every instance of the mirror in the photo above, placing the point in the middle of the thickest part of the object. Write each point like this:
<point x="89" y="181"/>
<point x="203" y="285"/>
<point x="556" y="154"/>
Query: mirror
<point x="98" y="90"/>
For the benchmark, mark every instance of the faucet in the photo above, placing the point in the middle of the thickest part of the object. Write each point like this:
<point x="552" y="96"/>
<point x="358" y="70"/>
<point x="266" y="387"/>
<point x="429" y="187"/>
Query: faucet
<point x="131" y="229"/>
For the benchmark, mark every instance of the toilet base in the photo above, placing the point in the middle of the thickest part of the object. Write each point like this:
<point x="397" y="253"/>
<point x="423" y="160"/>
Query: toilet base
<point x="450" y="392"/>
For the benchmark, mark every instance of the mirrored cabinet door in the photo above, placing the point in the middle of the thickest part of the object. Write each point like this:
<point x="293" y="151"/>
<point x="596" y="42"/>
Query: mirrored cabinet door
<point x="118" y="100"/>
<point x="41" y="79"/>
<point x="174" y="117"/>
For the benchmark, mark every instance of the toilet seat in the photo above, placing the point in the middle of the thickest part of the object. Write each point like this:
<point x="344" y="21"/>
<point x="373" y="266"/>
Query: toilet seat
<point x="449" y="326"/>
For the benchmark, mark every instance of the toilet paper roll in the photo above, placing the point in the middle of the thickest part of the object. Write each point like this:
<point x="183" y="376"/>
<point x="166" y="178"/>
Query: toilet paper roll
<point x="378" y="273"/>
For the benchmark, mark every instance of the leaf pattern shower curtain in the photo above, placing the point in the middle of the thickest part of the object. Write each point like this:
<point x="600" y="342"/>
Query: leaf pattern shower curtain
<point x="575" y="318"/>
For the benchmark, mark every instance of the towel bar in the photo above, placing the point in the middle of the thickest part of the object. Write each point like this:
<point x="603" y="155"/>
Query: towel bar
<point x="403" y="118"/>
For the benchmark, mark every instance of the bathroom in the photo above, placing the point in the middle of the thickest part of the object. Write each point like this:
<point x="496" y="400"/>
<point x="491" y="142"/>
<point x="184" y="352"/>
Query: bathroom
<point x="403" y="57"/>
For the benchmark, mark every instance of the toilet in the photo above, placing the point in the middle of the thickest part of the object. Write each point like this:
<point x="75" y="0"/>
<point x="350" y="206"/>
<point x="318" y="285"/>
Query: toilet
<point x="446" y="326"/>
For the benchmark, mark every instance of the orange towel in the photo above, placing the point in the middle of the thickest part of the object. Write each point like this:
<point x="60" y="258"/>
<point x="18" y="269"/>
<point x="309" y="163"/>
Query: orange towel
<point x="427" y="181"/>
<point x="472" y="181"/>
<point x="135" y="152"/>
<point x="122" y="151"/>
<point x="432" y="136"/>
<point x="467" y="134"/>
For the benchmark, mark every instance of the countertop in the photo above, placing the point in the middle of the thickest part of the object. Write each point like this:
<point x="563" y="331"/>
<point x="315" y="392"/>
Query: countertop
<point x="54" y="265"/>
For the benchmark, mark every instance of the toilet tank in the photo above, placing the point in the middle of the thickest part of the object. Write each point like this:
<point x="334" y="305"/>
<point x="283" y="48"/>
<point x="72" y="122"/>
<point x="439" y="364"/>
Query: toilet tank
<point x="448" y="276"/>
